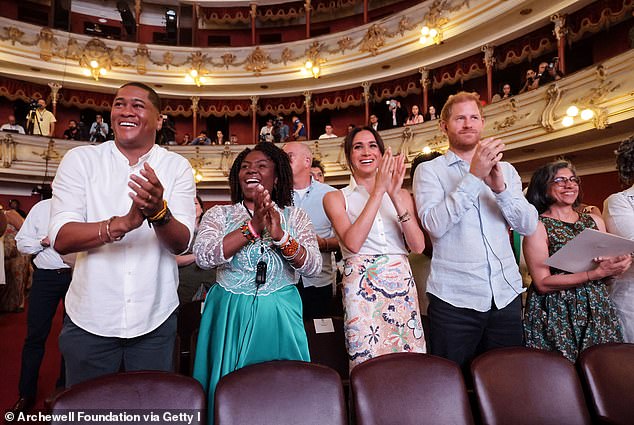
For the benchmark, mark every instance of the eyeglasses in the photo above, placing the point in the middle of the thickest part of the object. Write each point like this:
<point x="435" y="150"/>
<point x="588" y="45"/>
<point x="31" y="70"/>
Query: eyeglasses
<point x="563" y="181"/>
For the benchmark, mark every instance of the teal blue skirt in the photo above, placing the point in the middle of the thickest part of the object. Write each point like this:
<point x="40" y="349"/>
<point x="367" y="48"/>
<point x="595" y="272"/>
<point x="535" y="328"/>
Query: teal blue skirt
<point x="240" y="330"/>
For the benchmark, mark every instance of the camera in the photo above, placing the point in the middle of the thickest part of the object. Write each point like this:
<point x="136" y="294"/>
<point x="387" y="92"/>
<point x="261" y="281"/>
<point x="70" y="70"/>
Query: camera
<point x="33" y="105"/>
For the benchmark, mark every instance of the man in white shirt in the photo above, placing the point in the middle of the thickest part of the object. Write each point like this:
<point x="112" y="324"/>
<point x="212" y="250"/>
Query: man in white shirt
<point x="374" y="122"/>
<point x="308" y="194"/>
<point x="266" y="132"/>
<point x="12" y="126"/>
<point x="51" y="278"/>
<point x="467" y="200"/>
<point x="41" y="121"/>
<point x="329" y="133"/>
<point x="122" y="301"/>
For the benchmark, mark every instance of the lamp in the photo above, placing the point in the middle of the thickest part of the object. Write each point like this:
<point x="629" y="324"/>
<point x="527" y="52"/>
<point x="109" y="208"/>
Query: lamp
<point x="194" y="76"/>
<point x="430" y="34"/>
<point x="95" y="59"/>
<point x="313" y="67"/>
<point x="586" y="113"/>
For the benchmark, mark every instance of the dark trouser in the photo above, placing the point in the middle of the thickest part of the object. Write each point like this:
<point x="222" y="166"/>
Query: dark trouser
<point x="460" y="334"/>
<point x="315" y="301"/>
<point x="48" y="289"/>
<point x="89" y="356"/>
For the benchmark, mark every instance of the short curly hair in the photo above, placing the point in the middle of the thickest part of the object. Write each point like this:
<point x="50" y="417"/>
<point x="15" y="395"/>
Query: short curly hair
<point x="282" y="193"/>
<point x="537" y="192"/>
<point x="625" y="161"/>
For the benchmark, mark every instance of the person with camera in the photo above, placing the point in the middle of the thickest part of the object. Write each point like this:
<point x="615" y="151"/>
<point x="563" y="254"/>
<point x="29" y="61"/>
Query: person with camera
<point x="72" y="132"/>
<point x="98" y="130"/>
<point x="549" y="72"/>
<point x="531" y="82"/>
<point x="12" y="126"/>
<point x="299" y="130"/>
<point x="40" y="121"/>
<point x="266" y="132"/>
<point x="281" y="132"/>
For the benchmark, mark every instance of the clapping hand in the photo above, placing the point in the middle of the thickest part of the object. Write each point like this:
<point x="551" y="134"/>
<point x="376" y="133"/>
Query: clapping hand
<point x="147" y="199"/>
<point x="485" y="163"/>
<point x="383" y="179"/>
<point x="612" y="266"/>
<point x="265" y="216"/>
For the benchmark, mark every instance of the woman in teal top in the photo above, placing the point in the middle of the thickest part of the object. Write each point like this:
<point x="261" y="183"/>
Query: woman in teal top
<point x="249" y="319"/>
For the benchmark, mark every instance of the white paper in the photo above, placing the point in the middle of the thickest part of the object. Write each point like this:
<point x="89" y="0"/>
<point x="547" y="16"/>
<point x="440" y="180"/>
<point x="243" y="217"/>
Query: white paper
<point x="324" y="326"/>
<point x="578" y="254"/>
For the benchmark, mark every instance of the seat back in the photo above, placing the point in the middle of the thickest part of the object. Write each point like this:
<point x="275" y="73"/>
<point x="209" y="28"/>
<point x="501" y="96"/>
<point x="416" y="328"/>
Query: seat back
<point x="608" y="372"/>
<point x="135" y="392"/>
<point x="280" y="392"/>
<point x="188" y="322"/>
<point x="409" y="388"/>
<point x="329" y="348"/>
<point x="521" y="385"/>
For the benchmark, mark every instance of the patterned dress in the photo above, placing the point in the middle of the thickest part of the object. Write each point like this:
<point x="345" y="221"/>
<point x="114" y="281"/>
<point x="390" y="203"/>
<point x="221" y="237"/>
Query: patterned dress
<point x="570" y="320"/>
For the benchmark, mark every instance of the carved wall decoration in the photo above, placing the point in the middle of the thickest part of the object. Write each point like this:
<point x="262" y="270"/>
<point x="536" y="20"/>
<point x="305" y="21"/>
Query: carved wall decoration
<point x="553" y="98"/>
<point x="257" y="61"/>
<point x="73" y="49"/>
<point x="228" y="59"/>
<point x="142" y="53"/>
<point x="12" y="33"/>
<point x="597" y="95"/>
<point x="509" y="121"/>
<point x="373" y="40"/>
<point x="47" y="44"/>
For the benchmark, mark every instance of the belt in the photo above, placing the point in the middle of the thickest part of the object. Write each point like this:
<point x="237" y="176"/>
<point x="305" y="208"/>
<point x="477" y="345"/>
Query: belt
<point x="65" y="270"/>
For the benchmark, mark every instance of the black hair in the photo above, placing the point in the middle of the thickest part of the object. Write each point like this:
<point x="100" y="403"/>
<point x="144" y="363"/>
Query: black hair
<point x="282" y="193"/>
<point x="625" y="161"/>
<point x="347" y="143"/>
<point x="151" y="94"/>
<point x="420" y="158"/>
<point x="317" y="163"/>
<point x="537" y="193"/>
<point x="202" y="207"/>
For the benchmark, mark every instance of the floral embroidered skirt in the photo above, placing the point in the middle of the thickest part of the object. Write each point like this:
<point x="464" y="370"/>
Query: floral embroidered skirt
<point x="381" y="307"/>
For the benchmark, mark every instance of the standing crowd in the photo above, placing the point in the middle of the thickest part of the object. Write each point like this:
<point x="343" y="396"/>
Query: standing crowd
<point x="272" y="251"/>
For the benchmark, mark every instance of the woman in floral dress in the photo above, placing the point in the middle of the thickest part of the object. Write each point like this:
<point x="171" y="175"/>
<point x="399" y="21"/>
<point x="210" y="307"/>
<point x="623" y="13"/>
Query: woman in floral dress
<point x="374" y="219"/>
<point x="566" y="312"/>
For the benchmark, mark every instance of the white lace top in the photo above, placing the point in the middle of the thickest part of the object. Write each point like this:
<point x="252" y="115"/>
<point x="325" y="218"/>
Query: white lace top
<point x="237" y="274"/>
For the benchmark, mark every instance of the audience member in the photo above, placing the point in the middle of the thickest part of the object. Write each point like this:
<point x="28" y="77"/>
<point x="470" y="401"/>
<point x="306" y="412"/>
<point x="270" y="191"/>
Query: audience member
<point x="531" y="83"/>
<point x="254" y="313"/>
<point x="374" y="219"/>
<point x="14" y="204"/>
<point x="51" y="278"/>
<point x="431" y="113"/>
<point x="121" y="303"/>
<point x="41" y="121"/>
<point x="467" y="199"/>
<point x="220" y="138"/>
<point x="395" y="114"/>
<point x="266" y="132"/>
<point x="299" y="131"/>
<point x="506" y="93"/>
<point x="12" y="126"/>
<point x="192" y="280"/>
<point x="17" y="267"/>
<point x="202" y="139"/>
<point x="566" y="312"/>
<point x="618" y="212"/>
<point x="374" y="124"/>
<point x="72" y="132"/>
<point x="187" y="139"/>
<point x="328" y="134"/>
<point x="233" y="139"/>
<point x="99" y="130"/>
<point x="281" y="134"/>
<point x="317" y="171"/>
<point x="308" y="194"/>
<point x="415" y="117"/>
<point x="350" y="128"/>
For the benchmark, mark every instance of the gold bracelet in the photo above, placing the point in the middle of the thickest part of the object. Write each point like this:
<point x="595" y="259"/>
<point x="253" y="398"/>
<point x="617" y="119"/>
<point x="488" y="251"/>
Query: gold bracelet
<point x="159" y="215"/>
<point x="110" y="238"/>
<point x="100" y="237"/>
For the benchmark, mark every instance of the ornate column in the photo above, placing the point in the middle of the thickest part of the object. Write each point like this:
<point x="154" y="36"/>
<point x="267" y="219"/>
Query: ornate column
<point x="366" y="99"/>
<point x="55" y="86"/>
<point x="424" y="83"/>
<point x="137" y="15"/>
<point x="307" y="8"/>
<point x="254" y="13"/>
<point x="194" y="107"/>
<point x="365" y="11"/>
<point x="195" y="14"/>
<point x="307" y="96"/>
<point x="489" y="60"/>
<point x="561" y="32"/>
<point x="254" y="124"/>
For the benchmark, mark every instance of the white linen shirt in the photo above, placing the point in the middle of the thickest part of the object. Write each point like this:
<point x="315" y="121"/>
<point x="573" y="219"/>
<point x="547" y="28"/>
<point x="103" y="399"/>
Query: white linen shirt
<point x="468" y="223"/>
<point x="127" y="288"/>
<point x="34" y="229"/>
<point x="386" y="234"/>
